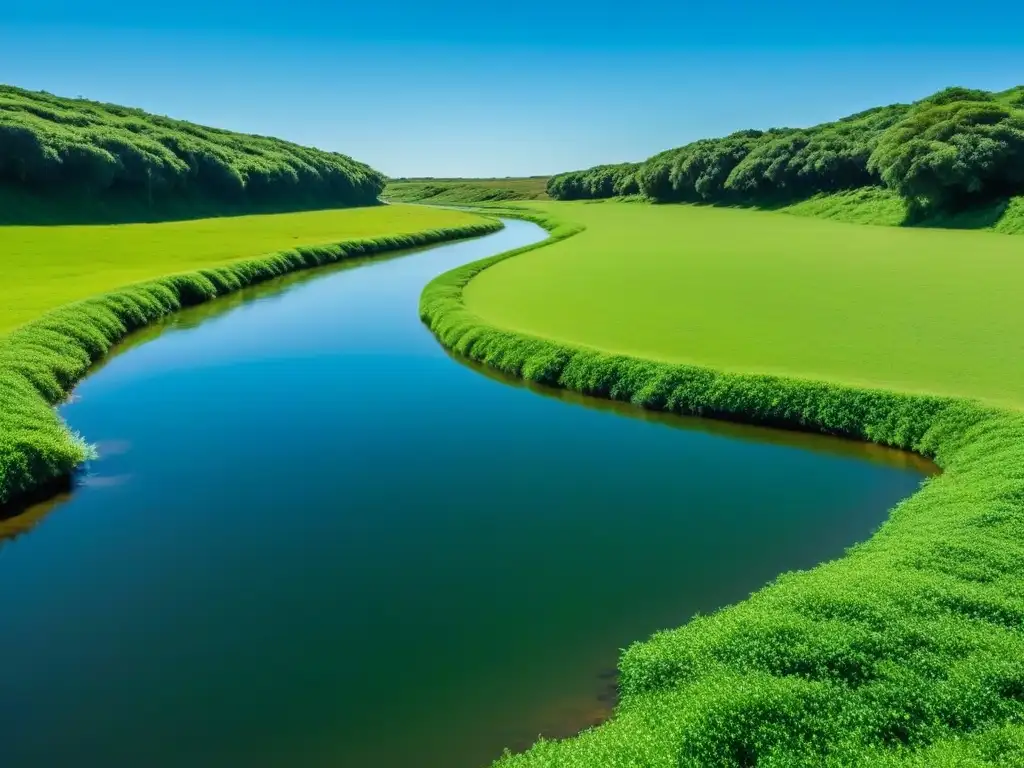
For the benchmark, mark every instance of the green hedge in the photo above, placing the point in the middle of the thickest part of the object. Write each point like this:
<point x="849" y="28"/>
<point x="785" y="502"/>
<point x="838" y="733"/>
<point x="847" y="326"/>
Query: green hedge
<point x="41" y="361"/>
<point x="907" y="651"/>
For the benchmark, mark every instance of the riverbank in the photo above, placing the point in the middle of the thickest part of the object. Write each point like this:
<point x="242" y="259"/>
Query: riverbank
<point x="274" y="498"/>
<point x="42" y="358"/>
<point x="906" y="649"/>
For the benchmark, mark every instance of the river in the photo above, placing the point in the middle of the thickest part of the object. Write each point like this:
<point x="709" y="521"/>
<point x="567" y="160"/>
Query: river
<point x="315" y="539"/>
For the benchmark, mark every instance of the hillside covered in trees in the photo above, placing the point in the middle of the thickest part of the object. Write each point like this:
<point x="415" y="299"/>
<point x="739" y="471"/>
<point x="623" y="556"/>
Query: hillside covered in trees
<point x="954" y="149"/>
<point x="53" y="147"/>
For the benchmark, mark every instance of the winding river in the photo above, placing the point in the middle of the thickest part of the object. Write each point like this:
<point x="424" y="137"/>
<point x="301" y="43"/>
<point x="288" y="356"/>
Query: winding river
<point x="314" y="539"/>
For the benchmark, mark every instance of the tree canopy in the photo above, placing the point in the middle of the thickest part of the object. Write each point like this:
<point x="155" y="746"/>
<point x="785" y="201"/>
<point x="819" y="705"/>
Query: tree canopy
<point x="51" y="144"/>
<point x="600" y="181"/>
<point x="952" y="149"/>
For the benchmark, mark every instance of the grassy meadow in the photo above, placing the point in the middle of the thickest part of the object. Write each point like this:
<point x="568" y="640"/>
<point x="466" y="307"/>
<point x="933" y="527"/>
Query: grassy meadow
<point x="47" y="266"/>
<point x="917" y="310"/>
<point x="465" y="191"/>
<point x="908" y="650"/>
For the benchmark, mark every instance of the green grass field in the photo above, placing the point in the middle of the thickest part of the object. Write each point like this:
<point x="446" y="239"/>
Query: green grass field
<point x="45" y="267"/>
<point x="465" y="191"/>
<point x="918" y="310"/>
<point x="908" y="650"/>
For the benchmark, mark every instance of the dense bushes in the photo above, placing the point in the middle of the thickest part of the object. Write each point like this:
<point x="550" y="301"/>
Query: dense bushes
<point x="41" y="361"/>
<point x="949" y="151"/>
<point x="597" y="182"/>
<point x="908" y="651"/>
<point x="944" y="154"/>
<point x="55" y="146"/>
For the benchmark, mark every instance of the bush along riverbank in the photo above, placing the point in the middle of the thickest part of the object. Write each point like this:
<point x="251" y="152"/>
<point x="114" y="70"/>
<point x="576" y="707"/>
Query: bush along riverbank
<point x="41" y="361"/>
<point x="907" y="651"/>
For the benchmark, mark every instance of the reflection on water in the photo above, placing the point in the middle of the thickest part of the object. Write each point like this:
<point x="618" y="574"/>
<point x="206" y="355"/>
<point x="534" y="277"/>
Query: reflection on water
<point x="811" y="441"/>
<point x="312" y="539"/>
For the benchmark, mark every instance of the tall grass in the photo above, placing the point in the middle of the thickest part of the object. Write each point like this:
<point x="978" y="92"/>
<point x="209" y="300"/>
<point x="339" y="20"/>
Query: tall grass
<point x="40" y="361"/>
<point x="908" y="651"/>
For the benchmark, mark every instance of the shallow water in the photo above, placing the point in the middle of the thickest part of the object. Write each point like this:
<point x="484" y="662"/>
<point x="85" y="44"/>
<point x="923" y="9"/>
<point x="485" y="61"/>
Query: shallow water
<point x="315" y="539"/>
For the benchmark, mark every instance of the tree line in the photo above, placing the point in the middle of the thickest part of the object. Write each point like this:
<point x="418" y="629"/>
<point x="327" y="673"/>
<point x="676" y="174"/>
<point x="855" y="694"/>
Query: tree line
<point x="953" y="149"/>
<point x="51" y="144"/>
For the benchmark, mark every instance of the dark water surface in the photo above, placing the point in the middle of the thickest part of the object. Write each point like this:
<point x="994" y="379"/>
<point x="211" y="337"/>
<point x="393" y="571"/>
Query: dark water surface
<point x="314" y="539"/>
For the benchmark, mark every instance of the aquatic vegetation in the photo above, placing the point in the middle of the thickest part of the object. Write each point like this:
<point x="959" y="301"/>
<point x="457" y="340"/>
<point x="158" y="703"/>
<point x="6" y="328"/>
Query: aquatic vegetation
<point x="42" y="359"/>
<point x="906" y="651"/>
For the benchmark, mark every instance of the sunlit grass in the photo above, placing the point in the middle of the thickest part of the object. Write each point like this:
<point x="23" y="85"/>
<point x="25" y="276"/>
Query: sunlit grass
<point x="908" y="651"/>
<point x="47" y="266"/>
<point x="920" y="310"/>
<point x="465" y="191"/>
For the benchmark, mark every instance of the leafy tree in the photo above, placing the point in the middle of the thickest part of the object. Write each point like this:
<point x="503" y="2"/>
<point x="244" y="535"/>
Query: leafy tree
<point x="952" y="149"/>
<point x="52" y="145"/>
<point x="597" y="182"/>
<point x="952" y="153"/>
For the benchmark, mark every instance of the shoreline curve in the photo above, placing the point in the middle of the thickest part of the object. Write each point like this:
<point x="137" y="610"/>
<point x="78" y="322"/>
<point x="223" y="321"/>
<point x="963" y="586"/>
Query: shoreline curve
<point x="41" y="361"/>
<point x="907" y="647"/>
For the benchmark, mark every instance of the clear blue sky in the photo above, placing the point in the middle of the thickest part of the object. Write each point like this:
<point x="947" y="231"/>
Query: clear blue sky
<point x="466" y="89"/>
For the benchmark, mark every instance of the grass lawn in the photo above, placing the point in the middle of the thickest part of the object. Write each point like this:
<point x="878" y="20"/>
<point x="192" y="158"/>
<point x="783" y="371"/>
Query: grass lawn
<point x="908" y="650"/>
<point x="918" y="310"/>
<point x="463" y="191"/>
<point x="46" y="266"/>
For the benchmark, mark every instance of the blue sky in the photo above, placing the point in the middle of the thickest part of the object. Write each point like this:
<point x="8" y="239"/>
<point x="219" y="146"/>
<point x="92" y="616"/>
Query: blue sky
<point x="465" y="89"/>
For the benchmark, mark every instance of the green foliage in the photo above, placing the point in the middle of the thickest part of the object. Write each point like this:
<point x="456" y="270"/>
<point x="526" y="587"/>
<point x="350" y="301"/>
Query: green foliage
<point x="601" y="181"/>
<point x="877" y="205"/>
<point x="1011" y="222"/>
<point x="465" y="191"/>
<point x="866" y="205"/>
<point x="42" y="360"/>
<point x="53" y="145"/>
<point x="45" y="267"/>
<point x="908" y="651"/>
<point x="955" y="149"/>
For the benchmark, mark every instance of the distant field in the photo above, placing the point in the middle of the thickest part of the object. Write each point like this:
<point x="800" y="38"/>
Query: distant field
<point x="920" y="310"/>
<point x="455" y="191"/>
<point x="44" y="267"/>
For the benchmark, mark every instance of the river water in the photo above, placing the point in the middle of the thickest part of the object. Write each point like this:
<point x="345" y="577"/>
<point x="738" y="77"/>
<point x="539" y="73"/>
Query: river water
<point x="315" y="539"/>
